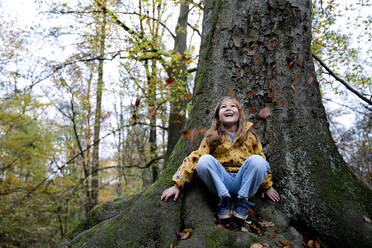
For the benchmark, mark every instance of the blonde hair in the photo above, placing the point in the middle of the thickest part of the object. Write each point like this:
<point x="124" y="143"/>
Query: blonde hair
<point x="217" y="130"/>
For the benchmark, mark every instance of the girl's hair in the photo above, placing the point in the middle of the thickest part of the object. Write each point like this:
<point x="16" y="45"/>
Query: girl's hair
<point x="217" y="130"/>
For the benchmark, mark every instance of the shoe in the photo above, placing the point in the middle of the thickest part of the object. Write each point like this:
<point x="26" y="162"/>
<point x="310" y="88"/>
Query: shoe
<point x="241" y="208"/>
<point x="225" y="207"/>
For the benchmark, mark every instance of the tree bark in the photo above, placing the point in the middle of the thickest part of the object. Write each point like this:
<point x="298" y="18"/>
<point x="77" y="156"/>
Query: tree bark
<point x="262" y="50"/>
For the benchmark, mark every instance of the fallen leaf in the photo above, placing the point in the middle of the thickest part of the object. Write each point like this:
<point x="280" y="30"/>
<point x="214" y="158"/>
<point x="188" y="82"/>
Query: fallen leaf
<point x="301" y="126"/>
<point x="298" y="76"/>
<point x="251" y="212"/>
<point x="186" y="133"/>
<point x="151" y="111"/>
<point x="181" y="113"/>
<point x="176" y="122"/>
<point x="268" y="83"/>
<point x="290" y="64"/>
<point x="271" y="235"/>
<point x="138" y="102"/>
<point x="293" y="89"/>
<point x="189" y="95"/>
<point x="302" y="61"/>
<point x="265" y="223"/>
<point x="169" y="80"/>
<point x="278" y="230"/>
<point x="366" y="219"/>
<point x="252" y="109"/>
<point x="271" y="95"/>
<point x="249" y="93"/>
<point x="194" y="134"/>
<point x="284" y="242"/>
<point x="265" y="245"/>
<point x="264" y="113"/>
<point x="256" y="245"/>
<point x="230" y="91"/>
<point x="183" y="235"/>
<point x="172" y="246"/>
<point x="188" y="230"/>
<point x="273" y="42"/>
<point x="273" y="67"/>
<point x="257" y="58"/>
<point x="202" y="130"/>
<point x="275" y="24"/>
<point x="256" y="229"/>
<point x="243" y="229"/>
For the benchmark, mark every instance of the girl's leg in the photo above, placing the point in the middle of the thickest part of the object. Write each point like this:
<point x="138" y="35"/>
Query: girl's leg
<point x="214" y="175"/>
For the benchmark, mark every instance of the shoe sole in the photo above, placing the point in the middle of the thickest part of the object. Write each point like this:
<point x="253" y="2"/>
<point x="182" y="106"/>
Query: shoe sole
<point x="240" y="216"/>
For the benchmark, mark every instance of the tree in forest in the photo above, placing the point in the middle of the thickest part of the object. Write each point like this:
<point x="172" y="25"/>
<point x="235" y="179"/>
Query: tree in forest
<point x="259" y="51"/>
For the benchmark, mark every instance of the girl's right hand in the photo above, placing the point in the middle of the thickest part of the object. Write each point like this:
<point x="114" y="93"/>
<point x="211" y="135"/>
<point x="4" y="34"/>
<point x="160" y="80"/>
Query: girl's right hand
<point x="174" y="190"/>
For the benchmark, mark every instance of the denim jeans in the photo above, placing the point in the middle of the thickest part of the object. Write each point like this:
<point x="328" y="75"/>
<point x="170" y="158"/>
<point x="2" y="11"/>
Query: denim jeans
<point x="244" y="183"/>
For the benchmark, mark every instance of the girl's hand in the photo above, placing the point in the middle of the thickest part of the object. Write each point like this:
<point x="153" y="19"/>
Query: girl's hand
<point x="272" y="194"/>
<point x="174" y="190"/>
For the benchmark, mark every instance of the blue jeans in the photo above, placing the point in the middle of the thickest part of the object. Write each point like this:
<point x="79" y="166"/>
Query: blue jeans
<point x="244" y="183"/>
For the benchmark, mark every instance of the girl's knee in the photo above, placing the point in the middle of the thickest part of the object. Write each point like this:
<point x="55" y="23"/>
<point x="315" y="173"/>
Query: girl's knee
<point x="258" y="162"/>
<point x="204" y="162"/>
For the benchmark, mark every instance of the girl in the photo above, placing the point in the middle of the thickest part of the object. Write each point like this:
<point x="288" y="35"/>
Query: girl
<point x="229" y="161"/>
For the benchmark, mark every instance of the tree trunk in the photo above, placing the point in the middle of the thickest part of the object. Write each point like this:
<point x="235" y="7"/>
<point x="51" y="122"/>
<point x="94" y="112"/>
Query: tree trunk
<point x="262" y="50"/>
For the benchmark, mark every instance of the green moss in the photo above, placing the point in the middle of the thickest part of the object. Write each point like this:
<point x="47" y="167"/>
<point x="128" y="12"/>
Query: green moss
<point x="212" y="239"/>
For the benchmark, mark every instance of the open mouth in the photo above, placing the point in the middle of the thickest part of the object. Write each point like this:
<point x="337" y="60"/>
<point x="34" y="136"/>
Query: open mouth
<point x="228" y="115"/>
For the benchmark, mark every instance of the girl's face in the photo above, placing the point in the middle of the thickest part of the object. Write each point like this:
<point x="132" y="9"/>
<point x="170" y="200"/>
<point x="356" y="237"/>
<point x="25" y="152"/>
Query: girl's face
<point x="229" y="113"/>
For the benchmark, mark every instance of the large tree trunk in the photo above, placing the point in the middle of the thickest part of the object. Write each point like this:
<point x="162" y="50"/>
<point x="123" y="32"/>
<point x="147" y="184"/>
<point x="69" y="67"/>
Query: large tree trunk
<point x="259" y="47"/>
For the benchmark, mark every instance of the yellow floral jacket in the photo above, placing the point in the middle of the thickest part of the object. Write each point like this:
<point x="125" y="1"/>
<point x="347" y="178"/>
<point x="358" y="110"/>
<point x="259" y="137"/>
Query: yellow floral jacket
<point x="229" y="153"/>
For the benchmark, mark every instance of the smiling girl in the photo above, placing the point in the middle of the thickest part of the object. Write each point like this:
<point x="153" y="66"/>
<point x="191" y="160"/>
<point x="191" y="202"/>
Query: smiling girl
<point x="229" y="161"/>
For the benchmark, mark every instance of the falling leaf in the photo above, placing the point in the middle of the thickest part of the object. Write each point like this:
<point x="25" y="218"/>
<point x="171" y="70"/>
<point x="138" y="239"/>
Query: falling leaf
<point x="138" y="102"/>
<point x="202" y="130"/>
<point x="302" y="61"/>
<point x="257" y="58"/>
<point x="276" y="89"/>
<point x="151" y="111"/>
<point x="310" y="244"/>
<point x="264" y="113"/>
<point x="366" y="219"/>
<point x="230" y="91"/>
<point x="207" y="112"/>
<point x="309" y="78"/>
<point x="249" y="93"/>
<point x="290" y="64"/>
<point x="278" y="230"/>
<point x="194" y="134"/>
<point x="251" y="47"/>
<point x="301" y="126"/>
<point x="298" y="76"/>
<point x="189" y="95"/>
<point x="243" y="229"/>
<point x="268" y="83"/>
<point x="281" y="102"/>
<point x="256" y="245"/>
<point x="332" y="142"/>
<point x="251" y="109"/>
<point x="176" y="122"/>
<point x="134" y="117"/>
<point x="188" y="230"/>
<point x="192" y="48"/>
<point x="271" y="235"/>
<point x="273" y="67"/>
<point x="293" y="89"/>
<point x="271" y="95"/>
<point x="275" y="25"/>
<point x="186" y="133"/>
<point x="181" y="113"/>
<point x="169" y="80"/>
<point x="251" y="212"/>
<point x="273" y="42"/>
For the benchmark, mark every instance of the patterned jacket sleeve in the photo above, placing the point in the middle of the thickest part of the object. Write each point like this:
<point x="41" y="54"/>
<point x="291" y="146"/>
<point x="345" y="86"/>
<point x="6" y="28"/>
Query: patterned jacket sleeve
<point x="188" y="167"/>
<point x="267" y="182"/>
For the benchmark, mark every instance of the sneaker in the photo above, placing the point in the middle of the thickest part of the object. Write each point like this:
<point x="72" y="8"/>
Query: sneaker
<point x="225" y="207"/>
<point x="241" y="208"/>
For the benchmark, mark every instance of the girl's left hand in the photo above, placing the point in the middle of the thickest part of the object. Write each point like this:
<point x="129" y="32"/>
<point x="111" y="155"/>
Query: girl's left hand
<point x="272" y="194"/>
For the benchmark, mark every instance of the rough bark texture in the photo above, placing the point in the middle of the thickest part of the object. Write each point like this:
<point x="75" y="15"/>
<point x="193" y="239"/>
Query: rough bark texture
<point x="263" y="46"/>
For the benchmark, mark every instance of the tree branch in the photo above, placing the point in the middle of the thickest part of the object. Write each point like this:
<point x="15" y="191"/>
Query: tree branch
<point x="342" y="81"/>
